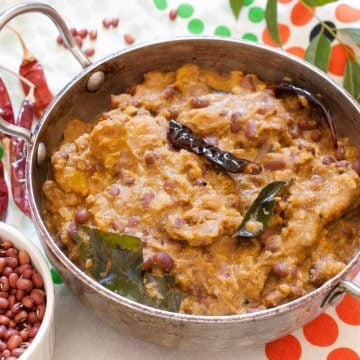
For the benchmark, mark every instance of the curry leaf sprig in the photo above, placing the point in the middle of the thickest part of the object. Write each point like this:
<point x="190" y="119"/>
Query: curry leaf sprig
<point x="256" y="220"/>
<point x="115" y="261"/>
<point x="319" y="48"/>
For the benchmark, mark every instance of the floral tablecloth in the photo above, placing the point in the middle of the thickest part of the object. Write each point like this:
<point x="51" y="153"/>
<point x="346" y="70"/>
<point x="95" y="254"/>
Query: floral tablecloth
<point x="79" y="333"/>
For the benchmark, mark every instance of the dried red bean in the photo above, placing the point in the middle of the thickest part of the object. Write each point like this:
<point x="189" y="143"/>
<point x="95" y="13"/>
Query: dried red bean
<point x="12" y="262"/>
<point x="2" y="264"/>
<point x="316" y="136"/>
<point x="168" y="92"/>
<point x="170" y="184"/>
<point x="32" y="319"/>
<point x="6" y="244"/>
<point x="281" y="270"/>
<point x="4" y="294"/>
<point x="83" y="33"/>
<point x="4" y="320"/>
<point x="78" y="40"/>
<point x="327" y="160"/>
<point x="342" y="163"/>
<point x="14" y="342"/>
<point x="106" y="23"/>
<point x="173" y="14"/>
<point x="198" y="103"/>
<point x="82" y="216"/>
<point x="38" y="296"/>
<point x="4" y="283"/>
<point x="40" y="312"/>
<point x="34" y="330"/>
<point x="129" y="180"/>
<point x="9" y="333"/>
<point x="235" y="124"/>
<point x="22" y="316"/>
<point x="118" y="226"/>
<point x="307" y="124"/>
<point x="12" y="300"/>
<point x="151" y="157"/>
<point x="3" y="346"/>
<point x="11" y="252"/>
<point x="37" y="280"/>
<point x="93" y="34"/>
<point x="6" y="354"/>
<point x="129" y="39"/>
<point x="73" y="31"/>
<point x="115" y="22"/>
<point x="4" y="303"/>
<point x="3" y="330"/>
<point x="274" y="165"/>
<point x="16" y="353"/>
<point x="22" y="268"/>
<point x="13" y="278"/>
<point x="27" y="274"/>
<point x="19" y="294"/>
<point x="251" y="131"/>
<point x="90" y="52"/>
<point x="163" y="260"/>
<point x="60" y="40"/>
<point x="28" y="302"/>
<point x="9" y="314"/>
<point x="23" y="284"/>
<point x="16" y="308"/>
<point x="7" y="271"/>
<point x="24" y="257"/>
<point x="146" y="198"/>
<point x="24" y="334"/>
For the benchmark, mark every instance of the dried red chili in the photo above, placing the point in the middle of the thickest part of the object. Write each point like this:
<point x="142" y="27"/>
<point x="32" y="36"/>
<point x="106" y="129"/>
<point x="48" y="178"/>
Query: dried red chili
<point x="6" y="110"/>
<point x="182" y="137"/>
<point x="18" y="155"/>
<point x="4" y="196"/>
<point x="32" y="70"/>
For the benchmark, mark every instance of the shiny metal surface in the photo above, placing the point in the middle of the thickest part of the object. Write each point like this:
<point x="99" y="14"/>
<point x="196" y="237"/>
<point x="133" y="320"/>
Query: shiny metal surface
<point x="124" y="68"/>
<point x="14" y="130"/>
<point x="50" y="12"/>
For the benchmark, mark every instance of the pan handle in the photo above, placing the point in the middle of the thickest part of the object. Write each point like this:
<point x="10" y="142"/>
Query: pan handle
<point x="50" y="12"/>
<point x="344" y="286"/>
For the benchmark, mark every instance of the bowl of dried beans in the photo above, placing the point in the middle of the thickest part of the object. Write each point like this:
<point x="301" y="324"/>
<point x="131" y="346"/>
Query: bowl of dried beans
<point x="26" y="299"/>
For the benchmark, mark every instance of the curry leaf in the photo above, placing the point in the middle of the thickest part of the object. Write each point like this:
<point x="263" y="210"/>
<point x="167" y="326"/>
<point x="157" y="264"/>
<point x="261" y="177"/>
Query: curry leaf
<point x="166" y="295"/>
<point x="352" y="33"/>
<point x="236" y="6"/>
<point x="271" y="20"/>
<point x="352" y="78"/>
<point x="117" y="264"/>
<point x="317" y="2"/>
<point x="318" y="52"/>
<point x="261" y="210"/>
<point x="122" y="252"/>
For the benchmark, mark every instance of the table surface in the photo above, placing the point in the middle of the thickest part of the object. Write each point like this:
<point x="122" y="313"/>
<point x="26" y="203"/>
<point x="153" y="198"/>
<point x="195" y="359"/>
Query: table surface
<point x="80" y="334"/>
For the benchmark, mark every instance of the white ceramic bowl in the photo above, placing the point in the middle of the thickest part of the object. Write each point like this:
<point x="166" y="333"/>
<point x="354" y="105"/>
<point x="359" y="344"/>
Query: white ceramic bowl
<point x="42" y="347"/>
